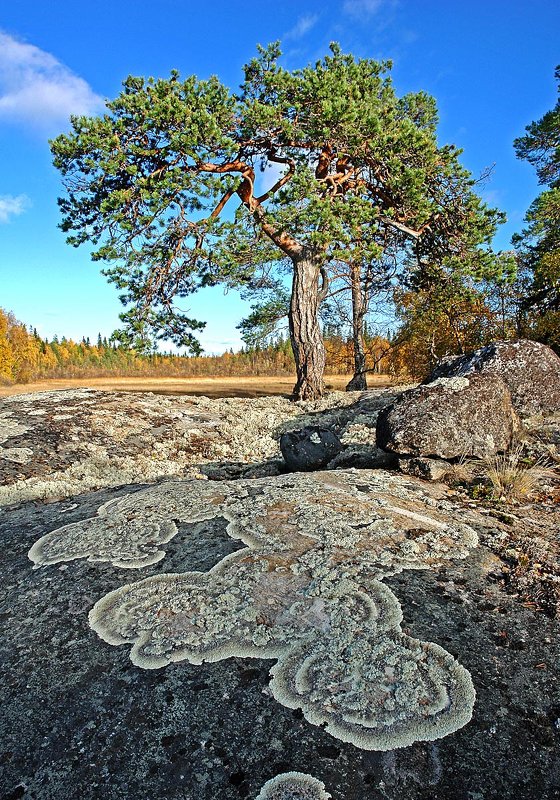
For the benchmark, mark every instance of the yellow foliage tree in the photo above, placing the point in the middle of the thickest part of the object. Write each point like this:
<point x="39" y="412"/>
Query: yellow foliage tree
<point x="440" y="320"/>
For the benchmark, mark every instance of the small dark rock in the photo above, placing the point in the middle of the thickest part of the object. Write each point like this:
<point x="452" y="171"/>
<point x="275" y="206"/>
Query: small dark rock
<point x="430" y="469"/>
<point x="364" y="457"/>
<point x="309" y="448"/>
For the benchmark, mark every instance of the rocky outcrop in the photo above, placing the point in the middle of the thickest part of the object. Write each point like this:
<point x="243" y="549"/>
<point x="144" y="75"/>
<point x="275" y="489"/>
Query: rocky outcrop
<point x="57" y="444"/>
<point x="307" y="591"/>
<point x="530" y="370"/>
<point x="79" y="720"/>
<point x="449" y="418"/>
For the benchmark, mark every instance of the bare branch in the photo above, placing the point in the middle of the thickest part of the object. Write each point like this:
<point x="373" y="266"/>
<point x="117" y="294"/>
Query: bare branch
<point x="404" y="228"/>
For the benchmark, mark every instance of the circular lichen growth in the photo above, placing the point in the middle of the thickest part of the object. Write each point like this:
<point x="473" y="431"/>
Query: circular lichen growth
<point x="293" y="786"/>
<point x="306" y="590"/>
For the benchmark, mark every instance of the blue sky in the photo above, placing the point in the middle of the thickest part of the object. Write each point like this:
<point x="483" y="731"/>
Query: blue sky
<point x="490" y="65"/>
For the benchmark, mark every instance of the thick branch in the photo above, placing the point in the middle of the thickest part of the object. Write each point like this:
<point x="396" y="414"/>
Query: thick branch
<point x="245" y="192"/>
<point x="324" y="290"/>
<point x="324" y="162"/>
<point x="281" y="239"/>
<point x="283" y="180"/>
<point x="218" y="210"/>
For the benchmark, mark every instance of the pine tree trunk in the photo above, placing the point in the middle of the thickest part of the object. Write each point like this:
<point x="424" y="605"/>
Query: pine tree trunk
<point x="358" y="382"/>
<point x="305" y="333"/>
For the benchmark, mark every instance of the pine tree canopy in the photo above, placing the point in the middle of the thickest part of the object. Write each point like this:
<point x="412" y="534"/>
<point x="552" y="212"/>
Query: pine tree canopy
<point x="183" y="183"/>
<point x="538" y="245"/>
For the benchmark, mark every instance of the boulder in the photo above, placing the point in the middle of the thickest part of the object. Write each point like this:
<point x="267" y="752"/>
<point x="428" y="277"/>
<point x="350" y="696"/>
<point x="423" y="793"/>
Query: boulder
<point x="309" y="448"/>
<point x="449" y="418"/>
<point x="530" y="370"/>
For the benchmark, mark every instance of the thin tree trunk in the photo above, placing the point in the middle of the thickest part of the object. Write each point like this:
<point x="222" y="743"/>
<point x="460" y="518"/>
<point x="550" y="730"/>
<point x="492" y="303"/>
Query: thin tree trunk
<point x="359" y="381"/>
<point x="305" y="333"/>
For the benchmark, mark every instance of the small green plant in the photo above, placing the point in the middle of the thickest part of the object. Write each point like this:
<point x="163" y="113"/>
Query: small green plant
<point x="480" y="491"/>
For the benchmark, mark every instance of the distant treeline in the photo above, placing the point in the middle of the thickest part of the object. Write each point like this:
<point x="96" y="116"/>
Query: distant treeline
<point x="25" y="356"/>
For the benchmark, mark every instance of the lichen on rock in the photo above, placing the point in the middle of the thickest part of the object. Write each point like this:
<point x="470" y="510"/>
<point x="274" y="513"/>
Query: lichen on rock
<point x="125" y="532"/>
<point x="10" y="427"/>
<point x="307" y="590"/>
<point x="293" y="786"/>
<point x="18" y="455"/>
<point x="376" y="691"/>
<point x="127" y="543"/>
<point x="449" y="418"/>
<point x="530" y="370"/>
<point x="81" y="440"/>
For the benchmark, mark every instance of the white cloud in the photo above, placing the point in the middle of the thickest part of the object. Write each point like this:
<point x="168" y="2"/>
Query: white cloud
<point x="362" y="8"/>
<point x="36" y="88"/>
<point x="302" y="26"/>
<point x="12" y="206"/>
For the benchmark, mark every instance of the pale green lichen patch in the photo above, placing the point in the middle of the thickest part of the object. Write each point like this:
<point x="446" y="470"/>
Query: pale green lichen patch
<point x="451" y="384"/>
<point x="128" y="533"/>
<point x="375" y="691"/>
<point x="293" y="786"/>
<point x="307" y="590"/>
<point x="87" y="439"/>
<point x="10" y="427"/>
<point x="19" y="455"/>
<point x="142" y="537"/>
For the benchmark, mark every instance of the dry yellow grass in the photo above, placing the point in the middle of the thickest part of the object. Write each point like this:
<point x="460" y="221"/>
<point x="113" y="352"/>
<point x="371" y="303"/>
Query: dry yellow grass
<point x="246" y="386"/>
<point x="511" y="477"/>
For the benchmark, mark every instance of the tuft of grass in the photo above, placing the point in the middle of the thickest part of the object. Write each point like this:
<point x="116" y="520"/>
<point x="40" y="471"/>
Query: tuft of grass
<point x="512" y="476"/>
<point x="460" y="473"/>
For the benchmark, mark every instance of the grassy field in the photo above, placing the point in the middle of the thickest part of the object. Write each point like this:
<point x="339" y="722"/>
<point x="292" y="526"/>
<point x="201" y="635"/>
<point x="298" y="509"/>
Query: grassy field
<point x="210" y="387"/>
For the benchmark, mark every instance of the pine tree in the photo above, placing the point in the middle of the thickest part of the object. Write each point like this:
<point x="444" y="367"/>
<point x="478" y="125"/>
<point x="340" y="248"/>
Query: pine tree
<point x="148" y="183"/>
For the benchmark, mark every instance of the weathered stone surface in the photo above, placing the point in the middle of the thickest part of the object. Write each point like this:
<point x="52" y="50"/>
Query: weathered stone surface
<point x="530" y="370"/>
<point x="431" y="469"/>
<point x="56" y="444"/>
<point x="448" y="418"/>
<point x="309" y="448"/>
<point x="79" y="720"/>
<point x="308" y="592"/>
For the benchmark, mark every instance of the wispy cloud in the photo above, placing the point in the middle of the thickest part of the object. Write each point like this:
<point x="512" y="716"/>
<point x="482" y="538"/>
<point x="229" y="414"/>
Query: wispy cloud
<point x="302" y="26"/>
<point x="37" y="89"/>
<point x="12" y="206"/>
<point x="493" y="197"/>
<point x="362" y="8"/>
